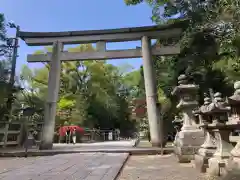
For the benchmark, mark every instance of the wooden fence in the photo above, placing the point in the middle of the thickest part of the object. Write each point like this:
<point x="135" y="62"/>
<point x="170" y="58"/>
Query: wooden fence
<point x="14" y="133"/>
<point x="91" y="136"/>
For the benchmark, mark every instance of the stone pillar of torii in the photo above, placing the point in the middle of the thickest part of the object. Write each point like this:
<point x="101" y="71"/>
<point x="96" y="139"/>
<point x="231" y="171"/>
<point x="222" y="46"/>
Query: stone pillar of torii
<point x="101" y="37"/>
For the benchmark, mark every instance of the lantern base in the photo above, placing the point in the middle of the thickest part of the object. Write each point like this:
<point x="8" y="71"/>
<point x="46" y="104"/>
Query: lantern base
<point x="202" y="157"/>
<point x="185" y="154"/>
<point x="217" y="166"/>
<point x="187" y="144"/>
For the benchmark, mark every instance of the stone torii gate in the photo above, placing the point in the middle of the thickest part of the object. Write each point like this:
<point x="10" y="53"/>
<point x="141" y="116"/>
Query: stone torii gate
<point x="101" y="37"/>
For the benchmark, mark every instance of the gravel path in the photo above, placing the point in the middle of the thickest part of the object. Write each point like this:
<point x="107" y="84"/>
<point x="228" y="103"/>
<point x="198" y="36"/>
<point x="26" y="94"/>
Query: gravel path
<point x="156" y="167"/>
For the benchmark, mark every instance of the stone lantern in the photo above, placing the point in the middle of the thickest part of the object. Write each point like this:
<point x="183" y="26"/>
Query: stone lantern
<point x="234" y="102"/>
<point x="190" y="137"/>
<point x="208" y="148"/>
<point x="234" y="161"/>
<point x="218" y="110"/>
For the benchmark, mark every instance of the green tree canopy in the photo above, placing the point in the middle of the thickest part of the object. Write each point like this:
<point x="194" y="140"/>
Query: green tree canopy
<point x="91" y="92"/>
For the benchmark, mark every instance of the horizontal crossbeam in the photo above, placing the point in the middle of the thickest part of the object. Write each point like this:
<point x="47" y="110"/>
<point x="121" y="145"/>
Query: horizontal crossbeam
<point x="94" y="55"/>
<point x="118" y="37"/>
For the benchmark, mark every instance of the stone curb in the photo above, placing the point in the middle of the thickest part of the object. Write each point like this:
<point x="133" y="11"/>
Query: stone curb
<point x="136" y="151"/>
<point x="122" y="167"/>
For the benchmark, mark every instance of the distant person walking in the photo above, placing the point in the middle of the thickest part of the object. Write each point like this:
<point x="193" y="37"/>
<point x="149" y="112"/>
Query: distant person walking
<point x="74" y="135"/>
<point x="68" y="135"/>
<point x="110" y="136"/>
<point x="149" y="136"/>
<point x="118" y="134"/>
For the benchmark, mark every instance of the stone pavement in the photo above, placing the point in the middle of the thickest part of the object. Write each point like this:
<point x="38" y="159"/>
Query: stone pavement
<point x="90" y="166"/>
<point x="156" y="167"/>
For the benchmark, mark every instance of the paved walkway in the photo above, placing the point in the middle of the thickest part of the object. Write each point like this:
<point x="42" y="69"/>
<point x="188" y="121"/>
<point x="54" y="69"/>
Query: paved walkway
<point x="90" y="166"/>
<point x="158" y="168"/>
<point x="103" y="147"/>
<point x="97" y="145"/>
<point x="97" y="166"/>
<point x="83" y="146"/>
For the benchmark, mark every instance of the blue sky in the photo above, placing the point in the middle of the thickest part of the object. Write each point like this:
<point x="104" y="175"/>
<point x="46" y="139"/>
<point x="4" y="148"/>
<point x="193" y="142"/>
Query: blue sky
<point x="63" y="15"/>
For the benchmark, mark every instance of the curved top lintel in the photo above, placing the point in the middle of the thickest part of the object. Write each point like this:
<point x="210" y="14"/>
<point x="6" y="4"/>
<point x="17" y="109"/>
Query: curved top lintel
<point x="35" y="38"/>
